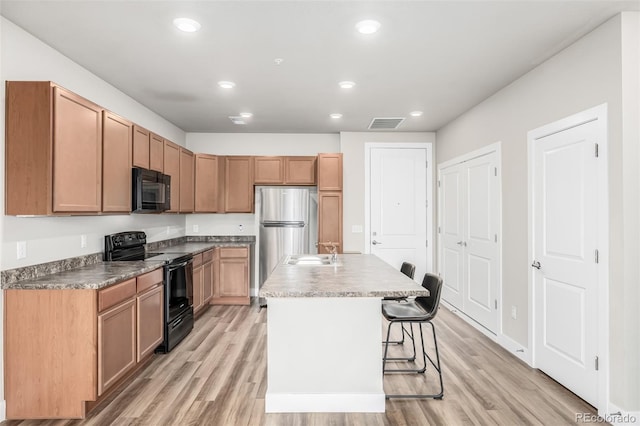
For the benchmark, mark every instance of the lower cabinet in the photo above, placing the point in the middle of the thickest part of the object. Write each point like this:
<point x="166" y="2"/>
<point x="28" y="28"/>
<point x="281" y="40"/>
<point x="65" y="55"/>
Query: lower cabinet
<point x="232" y="284"/>
<point x="197" y="283"/>
<point x="116" y="343"/>
<point x="202" y="279"/>
<point x="80" y="344"/>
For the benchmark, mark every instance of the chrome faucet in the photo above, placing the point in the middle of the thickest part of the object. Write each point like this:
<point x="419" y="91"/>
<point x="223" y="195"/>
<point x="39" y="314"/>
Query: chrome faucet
<point x="334" y="252"/>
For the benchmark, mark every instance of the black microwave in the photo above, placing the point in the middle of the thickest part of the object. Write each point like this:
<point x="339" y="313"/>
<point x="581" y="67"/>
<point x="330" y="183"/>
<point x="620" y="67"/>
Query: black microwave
<point x="151" y="191"/>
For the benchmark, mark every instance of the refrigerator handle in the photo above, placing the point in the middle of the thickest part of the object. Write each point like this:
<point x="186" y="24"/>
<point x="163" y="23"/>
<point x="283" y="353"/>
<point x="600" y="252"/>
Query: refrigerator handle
<point x="283" y="224"/>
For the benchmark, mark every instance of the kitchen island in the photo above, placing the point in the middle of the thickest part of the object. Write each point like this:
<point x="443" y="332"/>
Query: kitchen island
<point x="324" y="334"/>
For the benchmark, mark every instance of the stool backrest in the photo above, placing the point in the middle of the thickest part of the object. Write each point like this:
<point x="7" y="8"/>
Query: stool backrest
<point x="409" y="269"/>
<point x="433" y="283"/>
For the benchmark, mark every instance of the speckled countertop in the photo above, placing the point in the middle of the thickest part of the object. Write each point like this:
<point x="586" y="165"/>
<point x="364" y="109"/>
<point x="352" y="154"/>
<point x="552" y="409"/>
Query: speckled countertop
<point x="354" y="276"/>
<point x="89" y="277"/>
<point x="95" y="274"/>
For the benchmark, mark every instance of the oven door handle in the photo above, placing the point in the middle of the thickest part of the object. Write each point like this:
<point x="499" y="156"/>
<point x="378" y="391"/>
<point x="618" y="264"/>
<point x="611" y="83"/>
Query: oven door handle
<point x="179" y="265"/>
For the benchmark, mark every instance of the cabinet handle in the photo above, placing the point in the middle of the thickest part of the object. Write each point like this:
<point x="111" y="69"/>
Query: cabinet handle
<point x="375" y="243"/>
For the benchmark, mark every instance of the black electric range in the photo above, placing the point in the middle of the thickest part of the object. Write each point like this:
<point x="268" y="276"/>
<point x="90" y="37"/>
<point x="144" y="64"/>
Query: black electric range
<point x="178" y="281"/>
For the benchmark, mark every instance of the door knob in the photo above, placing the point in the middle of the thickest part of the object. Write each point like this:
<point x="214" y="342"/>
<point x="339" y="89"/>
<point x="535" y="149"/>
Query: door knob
<point x="459" y="243"/>
<point x="536" y="264"/>
<point x="375" y="243"/>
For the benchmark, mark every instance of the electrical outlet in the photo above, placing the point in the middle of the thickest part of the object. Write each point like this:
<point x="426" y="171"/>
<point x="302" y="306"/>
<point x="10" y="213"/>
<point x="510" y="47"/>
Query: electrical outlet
<point x="196" y="228"/>
<point x="83" y="241"/>
<point x="356" y="229"/>
<point x="21" y="250"/>
<point x="240" y="227"/>
<point x="514" y="312"/>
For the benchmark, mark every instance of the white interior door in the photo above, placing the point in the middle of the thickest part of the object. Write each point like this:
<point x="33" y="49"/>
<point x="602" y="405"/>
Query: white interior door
<point x="565" y="230"/>
<point x="398" y="197"/>
<point x="469" y="200"/>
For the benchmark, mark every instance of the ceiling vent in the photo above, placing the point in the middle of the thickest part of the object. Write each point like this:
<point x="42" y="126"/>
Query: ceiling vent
<point x="236" y="119"/>
<point x="385" y="123"/>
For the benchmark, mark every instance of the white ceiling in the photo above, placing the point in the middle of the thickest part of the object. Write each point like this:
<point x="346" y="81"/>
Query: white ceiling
<point x="440" y="57"/>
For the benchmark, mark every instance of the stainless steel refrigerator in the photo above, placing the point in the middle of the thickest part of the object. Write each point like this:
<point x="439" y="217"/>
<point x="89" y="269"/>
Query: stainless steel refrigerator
<point x="288" y="225"/>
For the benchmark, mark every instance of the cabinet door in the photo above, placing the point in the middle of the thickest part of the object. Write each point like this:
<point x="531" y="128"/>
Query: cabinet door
<point x="197" y="288"/>
<point x="150" y="314"/>
<point x="172" y="168"/>
<point x="268" y="170"/>
<point x="207" y="282"/>
<point x="77" y="153"/>
<point x="116" y="163"/>
<point x="156" y="153"/>
<point x="140" y="147"/>
<point x="186" y="181"/>
<point x="300" y="171"/>
<point x="116" y="344"/>
<point x="329" y="221"/>
<point x="239" y="185"/>
<point x="206" y="185"/>
<point x="330" y="172"/>
<point x="233" y="280"/>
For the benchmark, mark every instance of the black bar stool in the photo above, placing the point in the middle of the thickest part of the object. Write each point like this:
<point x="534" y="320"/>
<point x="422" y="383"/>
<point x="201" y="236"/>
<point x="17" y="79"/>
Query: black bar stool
<point x="409" y="269"/>
<point x="420" y="311"/>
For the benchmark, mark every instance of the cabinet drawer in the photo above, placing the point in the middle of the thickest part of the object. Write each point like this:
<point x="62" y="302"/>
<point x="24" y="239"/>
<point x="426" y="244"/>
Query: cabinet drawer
<point x="197" y="260"/>
<point x="149" y="280"/>
<point x="115" y="294"/>
<point x="227" y="252"/>
<point x="207" y="256"/>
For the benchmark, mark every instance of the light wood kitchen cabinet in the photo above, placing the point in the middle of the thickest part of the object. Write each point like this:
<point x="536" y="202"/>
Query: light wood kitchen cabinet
<point x="268" y="170"/>
<point x="140" y="153"/>
<point x="207" y="275"/>
<point x="300" y="171"/>
<point x="198" y="283"/>
<point x="238" y="197"/>
<point x="116" y="163"/>
<point x="187" y="200"/>
<point x="232" y="284"/>
<point x="53" y="150"/>
<point x="150" y="313"/>
<point x="329" y="221"/>
<point x="81" y="344"/>
<point x="156" y="153"/>
<point x="330" y="172"/>
<point x="148" y="149"/>
<point x="206" y="183"/>
<point x="116" y="343"/>
<point x="172" y="168"/>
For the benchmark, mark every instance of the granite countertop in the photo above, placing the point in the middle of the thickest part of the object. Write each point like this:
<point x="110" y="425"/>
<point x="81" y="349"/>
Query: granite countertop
<point x="198" y="247"/>
<point x="353" y="276"/>
<point x="89" y="277"/>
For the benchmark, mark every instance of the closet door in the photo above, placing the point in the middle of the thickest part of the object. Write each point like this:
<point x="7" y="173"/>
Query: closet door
<point x="469" y="223"/>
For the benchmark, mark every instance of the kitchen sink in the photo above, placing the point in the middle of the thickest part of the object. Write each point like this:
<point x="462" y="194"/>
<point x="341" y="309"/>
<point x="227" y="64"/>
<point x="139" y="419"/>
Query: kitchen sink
<point x="308" y="259"/>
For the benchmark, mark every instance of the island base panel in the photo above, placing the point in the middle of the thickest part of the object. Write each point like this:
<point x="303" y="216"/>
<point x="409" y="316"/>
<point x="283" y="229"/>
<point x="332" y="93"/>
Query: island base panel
<point x="324" y="355"/>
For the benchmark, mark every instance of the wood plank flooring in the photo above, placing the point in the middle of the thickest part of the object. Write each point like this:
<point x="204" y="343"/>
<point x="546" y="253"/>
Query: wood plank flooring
<point x="217" y="376"/>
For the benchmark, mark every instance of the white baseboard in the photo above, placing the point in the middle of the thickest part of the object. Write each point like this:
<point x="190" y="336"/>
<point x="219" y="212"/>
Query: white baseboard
<point x="515" y="348"/>
<point x="324" y="403"/>
<point x="618" y="417"/>
<point x="3" y="410"/>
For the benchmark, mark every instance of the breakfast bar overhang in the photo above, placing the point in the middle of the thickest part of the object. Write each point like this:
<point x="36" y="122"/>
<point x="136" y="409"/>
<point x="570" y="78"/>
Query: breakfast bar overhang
<point x="324" y="334"/>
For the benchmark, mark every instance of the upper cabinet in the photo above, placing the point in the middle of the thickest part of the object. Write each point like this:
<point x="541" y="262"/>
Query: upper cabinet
<point x="140" y="147"/>
<point x="330" y="172"/>
<point x="53" y="151"/>
<point x="207" y="183"/>
<point x="238" y="197"/>
<point x="172" y="168"/>
<point x="268" y="170"/>
<point x="300" y="170"/>
<point x="156" y="153"/>
<point x="116" y="164"/>
<point x="187" y="201"/>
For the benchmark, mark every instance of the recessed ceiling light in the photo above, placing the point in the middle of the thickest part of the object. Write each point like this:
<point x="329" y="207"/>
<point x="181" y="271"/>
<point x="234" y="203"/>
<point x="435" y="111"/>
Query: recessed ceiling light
<point x="335" y="115"/>
<point x="246" y="115"/>
<point x="347" y="84"/>
<point x="187" y="25"/>
<point x="226" y="84"/>
<point x="368" y="26"/>
<point x="416" y="113"/>
<point x="236" y="120"/>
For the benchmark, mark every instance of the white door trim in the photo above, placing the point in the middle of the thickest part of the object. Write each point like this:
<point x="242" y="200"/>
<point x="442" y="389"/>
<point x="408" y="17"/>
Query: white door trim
<point x="497" y="148"/>
<point x="599" y="114"/>
<point x="368" y="146"/>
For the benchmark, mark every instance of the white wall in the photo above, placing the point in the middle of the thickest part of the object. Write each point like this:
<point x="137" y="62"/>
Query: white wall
<point x="582" y="76"/>
<point x="352" y="148"/>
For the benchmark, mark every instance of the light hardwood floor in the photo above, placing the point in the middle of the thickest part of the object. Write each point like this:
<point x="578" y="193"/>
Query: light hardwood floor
<point x="217" y="376"/>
